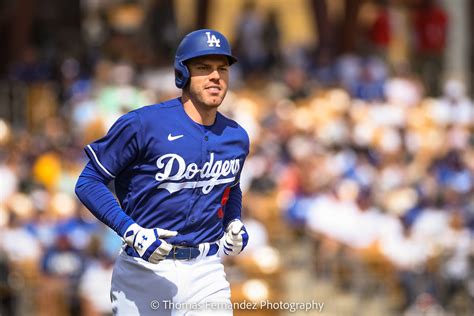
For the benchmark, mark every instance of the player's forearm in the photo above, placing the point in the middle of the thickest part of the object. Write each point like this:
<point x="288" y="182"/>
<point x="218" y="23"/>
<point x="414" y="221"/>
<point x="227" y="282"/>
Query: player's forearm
<point x="233" y="207"/>
<point x="91" y="189"/>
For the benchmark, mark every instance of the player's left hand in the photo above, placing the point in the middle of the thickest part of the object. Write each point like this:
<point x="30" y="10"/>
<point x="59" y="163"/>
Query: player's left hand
<point x="235" y="238"/>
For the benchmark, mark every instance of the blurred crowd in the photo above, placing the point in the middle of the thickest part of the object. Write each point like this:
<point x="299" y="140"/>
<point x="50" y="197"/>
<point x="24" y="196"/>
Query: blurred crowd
<point x="363" y="159"/>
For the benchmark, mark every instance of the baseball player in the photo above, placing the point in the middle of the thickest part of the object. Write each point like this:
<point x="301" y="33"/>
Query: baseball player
<point x="176" y="167"/>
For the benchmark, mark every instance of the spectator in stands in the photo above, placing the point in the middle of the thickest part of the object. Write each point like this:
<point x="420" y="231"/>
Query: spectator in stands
<point x="430" y="26"/>
<point x="62" y="266"/>
<point x="249" y="43"/>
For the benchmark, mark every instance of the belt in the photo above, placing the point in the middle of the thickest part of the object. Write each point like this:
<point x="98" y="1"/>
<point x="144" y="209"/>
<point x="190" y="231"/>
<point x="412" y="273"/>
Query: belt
<point x="179" y="252"/>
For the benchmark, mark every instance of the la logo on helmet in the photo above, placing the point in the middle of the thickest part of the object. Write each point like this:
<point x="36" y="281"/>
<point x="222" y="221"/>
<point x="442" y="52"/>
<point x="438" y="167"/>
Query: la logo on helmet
<point x="212" y="40"/>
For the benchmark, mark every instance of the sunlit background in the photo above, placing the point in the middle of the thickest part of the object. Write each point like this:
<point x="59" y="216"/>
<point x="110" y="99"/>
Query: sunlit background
<point x="358" y="191"/>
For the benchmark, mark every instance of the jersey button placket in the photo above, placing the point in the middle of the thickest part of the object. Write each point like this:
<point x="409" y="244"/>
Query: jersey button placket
<point x="191" y="219"/>
<point x="205" y="152"/>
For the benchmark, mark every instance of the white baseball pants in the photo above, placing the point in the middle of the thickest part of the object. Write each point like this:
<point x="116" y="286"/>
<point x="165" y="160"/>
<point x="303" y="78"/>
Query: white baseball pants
<point x="171" y="287"/>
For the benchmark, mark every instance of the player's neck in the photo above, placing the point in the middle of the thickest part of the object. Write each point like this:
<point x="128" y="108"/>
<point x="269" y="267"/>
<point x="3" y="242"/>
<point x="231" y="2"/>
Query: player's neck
<point x="200" y="114"/>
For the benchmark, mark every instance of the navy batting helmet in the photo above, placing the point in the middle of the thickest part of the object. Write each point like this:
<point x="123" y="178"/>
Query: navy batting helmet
<point x="199" y="43"/>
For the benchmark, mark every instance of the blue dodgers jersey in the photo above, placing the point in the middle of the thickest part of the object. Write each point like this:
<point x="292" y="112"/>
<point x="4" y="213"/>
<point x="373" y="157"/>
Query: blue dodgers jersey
<point x="171" y="172"/>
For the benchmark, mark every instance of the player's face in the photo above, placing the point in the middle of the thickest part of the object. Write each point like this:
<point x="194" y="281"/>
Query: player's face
<point x="209" y="79"/>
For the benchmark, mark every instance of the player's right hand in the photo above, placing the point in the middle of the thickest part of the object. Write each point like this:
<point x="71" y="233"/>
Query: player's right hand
<point x="149" y="243"/>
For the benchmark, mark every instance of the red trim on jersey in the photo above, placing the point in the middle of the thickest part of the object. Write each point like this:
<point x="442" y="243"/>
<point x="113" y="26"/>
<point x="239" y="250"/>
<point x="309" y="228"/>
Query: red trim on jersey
<point x="225" y="198"/>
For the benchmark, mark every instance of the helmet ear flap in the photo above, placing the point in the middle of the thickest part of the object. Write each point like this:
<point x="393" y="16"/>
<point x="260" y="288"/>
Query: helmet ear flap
<point x="181" y="74"/>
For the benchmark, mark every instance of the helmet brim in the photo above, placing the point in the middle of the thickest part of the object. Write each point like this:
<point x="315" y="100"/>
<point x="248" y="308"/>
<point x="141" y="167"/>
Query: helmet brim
<point x="232" y="59"/>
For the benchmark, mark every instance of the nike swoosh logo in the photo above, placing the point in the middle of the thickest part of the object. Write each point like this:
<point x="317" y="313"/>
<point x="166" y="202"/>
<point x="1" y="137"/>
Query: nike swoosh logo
<point x="171" y="138"/>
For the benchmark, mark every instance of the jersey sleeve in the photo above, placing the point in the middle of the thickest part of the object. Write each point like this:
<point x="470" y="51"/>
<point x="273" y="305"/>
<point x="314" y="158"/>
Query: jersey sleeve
<point x="233" y="208"/>
<point x="119" y="148"/>
<point x="92" y="191"/>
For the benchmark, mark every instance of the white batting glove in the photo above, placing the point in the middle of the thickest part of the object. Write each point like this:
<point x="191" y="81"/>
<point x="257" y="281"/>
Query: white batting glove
<point x="149" y="243"/>
<point x="235" y="238"/>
